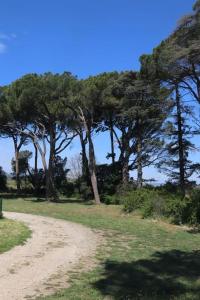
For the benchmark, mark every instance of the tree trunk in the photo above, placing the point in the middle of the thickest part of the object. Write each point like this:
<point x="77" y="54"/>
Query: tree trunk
<point x="36" y="182"/>
<point x="112" y="141"/>
<point x="43" y="158"/>
<point x="85" y="167"/>
<point x="17" y="170"/>
<point x="36" y="161"/>
<point x="180" y="143"/>
<point x="44" y="163"/>
<point x="17" y="174"/>
<point x="139" y="163"/>
<point x="124" y="164"/>
<point x="198" y="91"/>
<point x="125" y="170"/>
<point x="92" y="168"/>
<point x="124" y="158"/>
<point x="92" y="161"/>
<point x="51" y="193"/>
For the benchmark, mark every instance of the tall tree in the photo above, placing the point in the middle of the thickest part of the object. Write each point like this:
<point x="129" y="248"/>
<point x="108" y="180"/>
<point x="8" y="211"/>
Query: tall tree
<point x="88" y="110"/>
<point x="23" y="164"/>
<point x="140" y="110"/>
<point x="40" y="99"/>
<point x="12" y="123"/>
<point x="150" y="111"/>
<point x="176" y="163"/>
<point x="162" y="67"/>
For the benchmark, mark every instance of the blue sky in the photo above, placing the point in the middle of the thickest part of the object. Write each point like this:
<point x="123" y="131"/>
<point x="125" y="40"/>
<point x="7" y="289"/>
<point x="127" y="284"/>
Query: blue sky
<point x="85" y="37"/>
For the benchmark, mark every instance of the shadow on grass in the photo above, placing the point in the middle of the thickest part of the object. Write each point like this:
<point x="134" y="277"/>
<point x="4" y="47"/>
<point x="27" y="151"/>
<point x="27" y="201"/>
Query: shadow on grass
<point x="12" y="196"/>
<point x="165" y="276"/>
<point x="61" y="201"/>
<point x="194" y="230"/>
<point x="35" y="199"/>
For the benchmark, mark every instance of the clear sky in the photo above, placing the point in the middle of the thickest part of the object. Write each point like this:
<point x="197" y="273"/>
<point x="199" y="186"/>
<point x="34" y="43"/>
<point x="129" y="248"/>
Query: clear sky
<point x="85" y="37"/>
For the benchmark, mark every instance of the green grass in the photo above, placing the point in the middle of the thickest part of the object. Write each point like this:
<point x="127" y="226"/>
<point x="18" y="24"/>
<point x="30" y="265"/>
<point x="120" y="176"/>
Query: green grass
<point x="12" y="233"/>
<point x="145" y="259"/>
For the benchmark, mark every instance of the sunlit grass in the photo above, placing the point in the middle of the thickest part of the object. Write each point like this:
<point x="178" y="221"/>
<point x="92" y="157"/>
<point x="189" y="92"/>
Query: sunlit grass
<point x="12" y="233"/>
<point x="145" y="259"/>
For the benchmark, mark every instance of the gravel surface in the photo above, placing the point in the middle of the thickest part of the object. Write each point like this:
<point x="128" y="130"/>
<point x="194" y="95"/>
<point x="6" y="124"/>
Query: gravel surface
<point x="41" y="266"/>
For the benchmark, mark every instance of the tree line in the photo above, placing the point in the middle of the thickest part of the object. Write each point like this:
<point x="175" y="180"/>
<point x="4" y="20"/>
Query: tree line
<point x="148" y="115"/>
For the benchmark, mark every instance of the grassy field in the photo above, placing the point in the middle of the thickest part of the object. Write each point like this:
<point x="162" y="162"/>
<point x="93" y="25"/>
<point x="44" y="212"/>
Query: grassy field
<point x="145" y="259"/>
<point x="12" y="233"/>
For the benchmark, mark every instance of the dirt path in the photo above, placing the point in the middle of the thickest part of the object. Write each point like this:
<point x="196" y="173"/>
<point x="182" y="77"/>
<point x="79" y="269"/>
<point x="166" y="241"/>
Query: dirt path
<point x="41" y="265"/>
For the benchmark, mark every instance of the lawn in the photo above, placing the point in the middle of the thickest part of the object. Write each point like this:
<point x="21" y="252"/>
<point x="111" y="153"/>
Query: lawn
<point x="12" y="233"/>
<point x="146" y="259"/>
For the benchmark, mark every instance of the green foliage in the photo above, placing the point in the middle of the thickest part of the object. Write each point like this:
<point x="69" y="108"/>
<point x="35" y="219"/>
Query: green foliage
<point x="158" y="203"/>
<point x="60" y="172"/>
<point x="24" y="157"/>
<point x="1" y="208"/>
<point x="37" y="180"/>
<point x="109" y="177"/>
<point x="155" y="206"/>
<point x="12" y="233"/>
<point x="194" y="208"/>
<point x="111" y="199"/>
<point x="85" y="190"/>
<point x="134" y="200"/>
<point x="146" y="200"/>
<point x="67" y="188"/>
<point x="3" y="180"/>
<point x="186" y="210"/>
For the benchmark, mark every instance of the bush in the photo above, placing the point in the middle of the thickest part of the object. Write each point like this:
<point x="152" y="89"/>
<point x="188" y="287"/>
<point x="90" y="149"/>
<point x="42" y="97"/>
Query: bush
<point x="3" y="180"/>
<point x="136" y="199"/>
<point x="109" y="177"/>
<point x="84" y="189"/>
<point x="154" y="205"/>
<point x="150" y="202"/>
<point x="169" y="187"/>
<point x="186" y="210"/>
<point x="1" y="213"/>
<point x="193" y="209"/>
<point x="111" y="199"/>
<point x="67" y="188"/>
<point x="159" y="203"/>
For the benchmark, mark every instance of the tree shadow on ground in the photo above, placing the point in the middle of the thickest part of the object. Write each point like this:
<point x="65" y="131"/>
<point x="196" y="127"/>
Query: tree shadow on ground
<point x="194" y="230"/>
<point x="12" y="196"/>
<point x="61" y="201"/>
<point x="35" y="199"/>
<point x="166" y="275"/>
<point x="73" y="200"/>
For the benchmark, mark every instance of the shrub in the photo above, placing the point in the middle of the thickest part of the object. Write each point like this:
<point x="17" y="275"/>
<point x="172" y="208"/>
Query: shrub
<point x="67" y="188"/>
<point x="151" y="202"/>
<point x="85" y="190"/>
<point x="160" y="203"/>
<point x="154" y="205"/>
<point x="194" y="208"/>
<point x="109" y="177"/>
<point x="111" y="199"/>
<point x="169" y="187"/>
<point x="186" y="210"/>
<point x="136" y="199"/>
<point x="3" y="180"/>
<point x="129" y="204"/>
<point x="157" y="203"/>
<point x="1" y="213"/>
